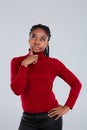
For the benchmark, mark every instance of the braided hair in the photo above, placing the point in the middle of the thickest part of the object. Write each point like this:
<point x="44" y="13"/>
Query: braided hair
<point x="47" y="30"/>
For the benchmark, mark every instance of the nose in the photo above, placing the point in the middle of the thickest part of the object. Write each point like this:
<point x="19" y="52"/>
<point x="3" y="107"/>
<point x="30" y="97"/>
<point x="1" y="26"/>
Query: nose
<point x="37" y="42"/>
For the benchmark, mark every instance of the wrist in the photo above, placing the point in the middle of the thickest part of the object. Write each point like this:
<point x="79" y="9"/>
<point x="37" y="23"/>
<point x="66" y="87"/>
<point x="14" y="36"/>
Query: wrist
<point x="67" y="107"/>
<point x="24" y="64"/>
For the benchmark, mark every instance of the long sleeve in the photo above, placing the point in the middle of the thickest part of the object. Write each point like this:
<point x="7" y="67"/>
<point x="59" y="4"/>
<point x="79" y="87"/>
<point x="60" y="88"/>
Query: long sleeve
<point x="34" y="84"/>
<point x="18" y="77"/>
<point x="74" y="83"/>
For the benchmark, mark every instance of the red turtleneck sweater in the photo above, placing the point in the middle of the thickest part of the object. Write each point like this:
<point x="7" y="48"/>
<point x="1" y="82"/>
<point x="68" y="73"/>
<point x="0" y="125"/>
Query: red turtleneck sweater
<point x="35" y="83"/>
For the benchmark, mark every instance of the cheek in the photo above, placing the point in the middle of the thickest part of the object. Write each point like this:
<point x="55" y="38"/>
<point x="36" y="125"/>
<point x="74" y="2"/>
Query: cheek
<point x="30" y="43"/>
<point x="46" y="44"/>
<point x="43" y="45"/>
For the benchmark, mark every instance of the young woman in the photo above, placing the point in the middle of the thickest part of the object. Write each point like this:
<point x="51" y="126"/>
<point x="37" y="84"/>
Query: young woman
<point x="32" y="77"/>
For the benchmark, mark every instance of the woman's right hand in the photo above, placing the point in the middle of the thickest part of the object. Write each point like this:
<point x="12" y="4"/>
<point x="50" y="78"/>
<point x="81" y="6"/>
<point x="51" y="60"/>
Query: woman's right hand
<point x="31" y="59"/>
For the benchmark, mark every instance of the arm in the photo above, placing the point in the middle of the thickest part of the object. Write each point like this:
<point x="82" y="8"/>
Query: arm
<point x="19" y="73"/>
<point x="75" y="85"/>
<point x="18" y="77"/>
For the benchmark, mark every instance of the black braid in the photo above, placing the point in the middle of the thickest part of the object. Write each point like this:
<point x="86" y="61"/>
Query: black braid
<point x="47" y="30"/>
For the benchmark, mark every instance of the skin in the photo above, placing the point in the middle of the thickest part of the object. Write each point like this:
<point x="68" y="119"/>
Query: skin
<point x="58" y="111"/>
<point x="38" y="41"/>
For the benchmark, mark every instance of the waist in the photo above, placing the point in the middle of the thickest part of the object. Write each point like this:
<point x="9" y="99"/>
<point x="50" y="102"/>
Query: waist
<point x="40" y="108"/>
<point x="38" y="105"/>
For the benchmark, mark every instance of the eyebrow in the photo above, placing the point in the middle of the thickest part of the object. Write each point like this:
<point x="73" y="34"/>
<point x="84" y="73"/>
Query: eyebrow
<point x="41" y="36"/>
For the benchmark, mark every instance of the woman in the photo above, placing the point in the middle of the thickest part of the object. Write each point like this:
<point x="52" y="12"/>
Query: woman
<point x="32" y="77"/>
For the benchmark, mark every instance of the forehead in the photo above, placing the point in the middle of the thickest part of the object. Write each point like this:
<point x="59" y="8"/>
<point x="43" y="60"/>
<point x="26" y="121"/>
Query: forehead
<point x="39" y="31"/>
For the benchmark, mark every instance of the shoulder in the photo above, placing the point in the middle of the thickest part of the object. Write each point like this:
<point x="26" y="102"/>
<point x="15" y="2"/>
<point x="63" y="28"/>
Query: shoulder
<point x="18" y="59"/>
<point x="56" y="63"/>
<point x="55" y="60"/>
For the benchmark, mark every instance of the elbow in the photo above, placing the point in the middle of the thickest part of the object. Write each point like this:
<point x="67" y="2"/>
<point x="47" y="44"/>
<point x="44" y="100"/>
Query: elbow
<point x="15" y="90"/>
<point x="80" y="85"/>
<point x="16" y="93"/>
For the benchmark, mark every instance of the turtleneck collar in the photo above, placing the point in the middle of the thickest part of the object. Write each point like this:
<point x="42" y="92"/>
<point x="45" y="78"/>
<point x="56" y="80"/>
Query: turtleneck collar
<point x="40" y="54"/>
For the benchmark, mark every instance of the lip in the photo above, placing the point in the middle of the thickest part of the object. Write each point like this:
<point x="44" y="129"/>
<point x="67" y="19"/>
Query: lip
<point x="36" y="48"/>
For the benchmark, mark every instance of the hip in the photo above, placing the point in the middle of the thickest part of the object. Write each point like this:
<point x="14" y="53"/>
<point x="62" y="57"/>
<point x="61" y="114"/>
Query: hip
<point x="40" y="121"/>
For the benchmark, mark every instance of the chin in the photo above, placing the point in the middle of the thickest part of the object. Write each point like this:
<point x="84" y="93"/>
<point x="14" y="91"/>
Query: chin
<point x="36" y="51"/>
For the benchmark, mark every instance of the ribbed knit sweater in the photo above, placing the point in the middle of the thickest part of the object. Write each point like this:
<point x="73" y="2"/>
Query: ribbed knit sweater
<point x="34" y="83"/>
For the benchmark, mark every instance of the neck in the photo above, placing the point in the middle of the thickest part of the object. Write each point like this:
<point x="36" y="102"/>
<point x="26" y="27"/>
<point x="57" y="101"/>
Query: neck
<point x="40" y="54"/>
<point x="37" y="53"/>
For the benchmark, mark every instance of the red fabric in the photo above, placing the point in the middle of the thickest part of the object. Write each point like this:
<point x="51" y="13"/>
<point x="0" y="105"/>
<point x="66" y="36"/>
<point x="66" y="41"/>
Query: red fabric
<point x="35" y="83"/>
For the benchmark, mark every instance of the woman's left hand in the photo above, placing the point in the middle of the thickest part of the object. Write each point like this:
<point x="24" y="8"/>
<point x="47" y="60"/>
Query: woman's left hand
<point x="58" y="111"/>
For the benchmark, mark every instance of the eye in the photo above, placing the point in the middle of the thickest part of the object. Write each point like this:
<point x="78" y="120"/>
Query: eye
<point x="43" y="39"/>
<point x="33" y="36"/>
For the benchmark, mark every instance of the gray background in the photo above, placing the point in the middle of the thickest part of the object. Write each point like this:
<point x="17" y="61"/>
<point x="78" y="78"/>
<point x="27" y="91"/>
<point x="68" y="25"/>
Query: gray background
<point x="67" y="20"/>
